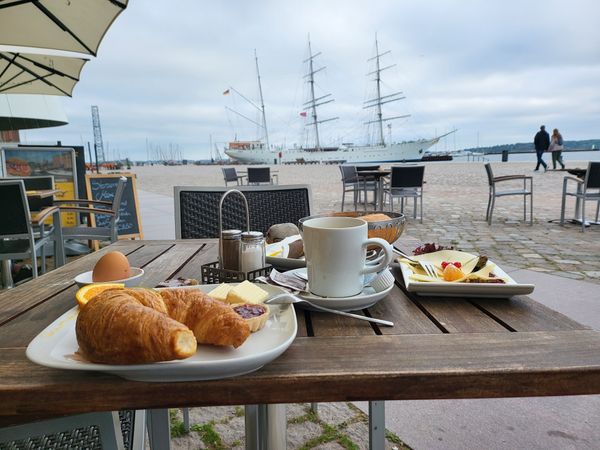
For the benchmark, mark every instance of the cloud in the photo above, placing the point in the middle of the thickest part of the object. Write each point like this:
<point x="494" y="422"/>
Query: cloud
<point x="491" y="69"/>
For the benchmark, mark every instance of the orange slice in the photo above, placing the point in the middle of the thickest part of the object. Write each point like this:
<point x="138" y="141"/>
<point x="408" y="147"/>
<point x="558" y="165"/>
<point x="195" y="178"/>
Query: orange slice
<point x="86" y="293"/>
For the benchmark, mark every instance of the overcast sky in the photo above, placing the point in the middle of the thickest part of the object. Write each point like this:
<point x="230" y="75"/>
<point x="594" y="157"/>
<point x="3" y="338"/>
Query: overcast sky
<point x="493" y="70"/>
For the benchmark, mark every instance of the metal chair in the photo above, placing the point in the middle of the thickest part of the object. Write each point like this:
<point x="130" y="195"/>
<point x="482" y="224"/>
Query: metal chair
<point x="406" y="182"/>
<point x="36" y="183"/>
<point x="352" y="183"/>
<point x="493" y="192"/>
<point x="110" y="209"/>
<point x="261" y="175"/>
<point x="230" y="176"/>
<point x="197" y="208"/>
<point x="17" y="237"/>
<point x="586" y="190"/>
<point x="113" y="430"/>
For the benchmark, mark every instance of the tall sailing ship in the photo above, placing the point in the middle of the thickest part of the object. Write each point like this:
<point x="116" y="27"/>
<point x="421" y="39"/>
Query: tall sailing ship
<point x="255" y="152"/>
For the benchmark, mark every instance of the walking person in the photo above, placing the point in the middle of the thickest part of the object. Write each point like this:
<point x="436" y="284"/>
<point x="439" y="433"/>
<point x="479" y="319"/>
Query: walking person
<point x="541" y="143"/>
<point x="556" y="147"/>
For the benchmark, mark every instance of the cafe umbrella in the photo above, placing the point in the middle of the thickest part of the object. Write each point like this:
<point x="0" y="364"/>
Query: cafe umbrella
<point x="27" y="73"/>
<point x="71" y="25"/>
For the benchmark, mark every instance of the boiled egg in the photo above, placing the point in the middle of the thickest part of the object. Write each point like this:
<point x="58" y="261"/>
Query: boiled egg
<point x="111" y="267"/>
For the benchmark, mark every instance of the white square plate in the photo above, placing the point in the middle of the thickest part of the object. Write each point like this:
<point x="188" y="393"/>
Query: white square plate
<point x="450" y="289"/>
<point x="56" y="347"/>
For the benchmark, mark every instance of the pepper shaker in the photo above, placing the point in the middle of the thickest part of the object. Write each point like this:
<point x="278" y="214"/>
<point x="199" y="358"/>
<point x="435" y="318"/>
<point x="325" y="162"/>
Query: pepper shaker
<point x="230" y="258"/>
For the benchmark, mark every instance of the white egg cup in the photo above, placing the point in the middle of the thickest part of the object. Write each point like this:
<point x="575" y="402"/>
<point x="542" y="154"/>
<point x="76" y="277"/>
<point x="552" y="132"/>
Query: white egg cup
<point x="85" y="278"/>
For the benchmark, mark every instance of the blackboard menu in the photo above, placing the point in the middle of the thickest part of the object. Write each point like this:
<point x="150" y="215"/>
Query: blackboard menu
<point x="103" y="187"/>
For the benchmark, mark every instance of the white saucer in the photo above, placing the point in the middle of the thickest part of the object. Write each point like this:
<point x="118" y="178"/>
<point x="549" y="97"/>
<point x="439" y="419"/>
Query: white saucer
<point x="367" y="298"/>
<point x="85" y="278"/>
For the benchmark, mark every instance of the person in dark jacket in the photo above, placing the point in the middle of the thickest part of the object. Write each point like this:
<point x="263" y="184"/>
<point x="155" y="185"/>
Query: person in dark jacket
<point x="541" y="143"/>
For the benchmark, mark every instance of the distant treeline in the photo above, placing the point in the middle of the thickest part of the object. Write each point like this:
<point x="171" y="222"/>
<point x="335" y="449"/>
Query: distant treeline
<point x="522" y="147"/>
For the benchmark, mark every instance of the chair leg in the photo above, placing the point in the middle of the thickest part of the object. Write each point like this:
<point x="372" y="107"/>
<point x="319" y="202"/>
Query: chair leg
<point x="597" y="210"/>
<point x="343" y="197"/>
<point x="487" y="210"/>
<point x="531" y="209"/>
<point x="421" y="201"/>
<point x="491" y="210"/>
<point x="583" y="215"/>
<point x="43" y="259"/>
<point x="562" y="209"/>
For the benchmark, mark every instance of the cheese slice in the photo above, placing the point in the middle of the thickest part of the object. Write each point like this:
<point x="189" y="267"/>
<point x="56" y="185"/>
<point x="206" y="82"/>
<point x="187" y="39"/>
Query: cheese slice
<point x="220" y="292"/>
<point x="246" y="292"/>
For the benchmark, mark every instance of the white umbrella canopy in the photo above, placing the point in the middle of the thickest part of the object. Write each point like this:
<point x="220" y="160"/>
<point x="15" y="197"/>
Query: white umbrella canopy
<point x="71" y="25"/>
<point x="25" y="73"/>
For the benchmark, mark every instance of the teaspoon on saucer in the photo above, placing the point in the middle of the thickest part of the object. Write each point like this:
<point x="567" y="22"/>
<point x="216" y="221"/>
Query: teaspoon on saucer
<point x="289" y="299"/>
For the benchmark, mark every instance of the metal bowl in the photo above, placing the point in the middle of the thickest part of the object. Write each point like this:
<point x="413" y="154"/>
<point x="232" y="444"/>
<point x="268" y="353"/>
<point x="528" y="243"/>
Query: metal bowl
<point x="389" y="230"/>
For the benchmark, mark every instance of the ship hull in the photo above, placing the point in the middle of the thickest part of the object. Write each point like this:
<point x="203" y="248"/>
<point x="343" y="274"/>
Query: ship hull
<point x="399" y="152"/>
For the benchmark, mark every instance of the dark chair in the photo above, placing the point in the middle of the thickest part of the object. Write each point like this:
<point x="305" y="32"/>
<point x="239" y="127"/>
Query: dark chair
<point x="197" y="208"/>
<point x="230" y="176"/>
<point x="525" y="191"/>
<point x="18" y="240"/>
<point x="261" y="175"/>
<point x="92" y="233"/>
<point x="587" y="189"/>
<point x="406" y="182"/>
<point x="352" y="183"/>
<point x="124" y="429"/>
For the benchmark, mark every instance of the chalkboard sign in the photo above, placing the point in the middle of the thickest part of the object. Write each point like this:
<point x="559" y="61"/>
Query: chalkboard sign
<point x="103" y="187"/>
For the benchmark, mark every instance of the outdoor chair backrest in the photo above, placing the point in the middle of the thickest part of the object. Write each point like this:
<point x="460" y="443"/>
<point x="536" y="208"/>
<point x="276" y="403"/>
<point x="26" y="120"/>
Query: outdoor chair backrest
<point x="490" y="174"/>
<point x="259" y="175"/>
<point x="37" y="183"/>
<point x="15" y="210"/>
<point x="230" y="174"/>
<point x="592" y="176"/>
<point x="197" y="208"/>
<point x="348" y="174"/>
<point x="407" y="176"/>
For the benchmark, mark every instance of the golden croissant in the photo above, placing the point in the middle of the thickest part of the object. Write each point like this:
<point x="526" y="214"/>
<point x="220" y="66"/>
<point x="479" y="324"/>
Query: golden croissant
<point x="136" y="326"/>
<point x="127" y="326"/>
<point x="212" y="321"/>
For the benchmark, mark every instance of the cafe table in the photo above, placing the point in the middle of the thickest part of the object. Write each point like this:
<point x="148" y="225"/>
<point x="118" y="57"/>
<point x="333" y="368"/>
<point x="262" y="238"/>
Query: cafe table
<point x="378" y="176"/>
<point x="438" y="348"/>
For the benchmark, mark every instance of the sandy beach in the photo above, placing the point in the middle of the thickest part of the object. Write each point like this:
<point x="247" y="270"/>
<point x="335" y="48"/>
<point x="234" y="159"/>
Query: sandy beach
<point x="455" y="200"/>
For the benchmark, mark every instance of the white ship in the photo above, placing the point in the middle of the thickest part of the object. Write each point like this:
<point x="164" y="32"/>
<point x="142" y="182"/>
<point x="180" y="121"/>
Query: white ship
<point x="256" y="152"/>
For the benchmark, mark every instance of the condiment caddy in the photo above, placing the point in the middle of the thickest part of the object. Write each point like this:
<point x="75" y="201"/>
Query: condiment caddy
<point x="241" y="254"/>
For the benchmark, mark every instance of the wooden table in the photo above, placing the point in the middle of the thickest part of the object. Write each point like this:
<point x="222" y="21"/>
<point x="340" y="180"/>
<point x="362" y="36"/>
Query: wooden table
<point x="438" y="349"/>
<point x="43" y="193"/>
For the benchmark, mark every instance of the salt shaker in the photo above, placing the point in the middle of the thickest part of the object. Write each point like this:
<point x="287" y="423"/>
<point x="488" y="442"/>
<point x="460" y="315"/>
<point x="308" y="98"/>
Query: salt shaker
<point x="252" y="251"/>
<point x="230" y="258"/>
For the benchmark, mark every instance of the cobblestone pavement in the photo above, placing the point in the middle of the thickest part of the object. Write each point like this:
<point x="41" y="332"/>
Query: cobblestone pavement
<point x="455" y="200"/>
<point x="337" y="426"/>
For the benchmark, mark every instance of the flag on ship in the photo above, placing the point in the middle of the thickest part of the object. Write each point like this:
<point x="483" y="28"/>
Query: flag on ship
<point x="303" y="113"/>
<point x="226" y="92"/>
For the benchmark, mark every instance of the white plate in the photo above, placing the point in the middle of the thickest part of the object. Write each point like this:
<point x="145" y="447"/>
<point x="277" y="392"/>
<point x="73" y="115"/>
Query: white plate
<point x="85" y="278"/>
<point x="56" y="346"/>
<point x="483" y="290"/>
<point x="285" y="263"/>
<point x="367" y="298"/>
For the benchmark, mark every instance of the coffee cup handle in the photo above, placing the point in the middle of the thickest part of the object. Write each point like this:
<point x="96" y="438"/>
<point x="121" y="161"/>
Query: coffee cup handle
<point x="385" y="261"/>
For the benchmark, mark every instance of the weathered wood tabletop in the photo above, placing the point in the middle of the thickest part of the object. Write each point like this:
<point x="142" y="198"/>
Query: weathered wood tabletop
<point x="438" y="349"/>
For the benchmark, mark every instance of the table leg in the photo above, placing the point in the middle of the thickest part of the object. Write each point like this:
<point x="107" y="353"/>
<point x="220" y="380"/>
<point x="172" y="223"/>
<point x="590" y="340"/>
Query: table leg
<point x="159" y="432"/>
<point x="376" y="425"/>
<point x="266" y="427"/>
<point x="379" y="205"/>
<point x="7" y="280"/>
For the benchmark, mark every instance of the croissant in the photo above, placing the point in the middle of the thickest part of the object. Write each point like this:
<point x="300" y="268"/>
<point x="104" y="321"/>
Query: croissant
<point x="130" y="326"/>
<point x="212" y="321"/>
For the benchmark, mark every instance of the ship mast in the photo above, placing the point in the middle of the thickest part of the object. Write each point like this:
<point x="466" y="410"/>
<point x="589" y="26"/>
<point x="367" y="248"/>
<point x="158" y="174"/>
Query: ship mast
<point x="260" y="108"/>
<point x="318" y="101"/>
<point x="380" y="100"/>
<point x="262" y="102"/>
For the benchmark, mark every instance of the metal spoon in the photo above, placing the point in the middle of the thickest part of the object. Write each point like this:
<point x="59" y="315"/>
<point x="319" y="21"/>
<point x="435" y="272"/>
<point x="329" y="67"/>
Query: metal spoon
<point x="289" y="299"/>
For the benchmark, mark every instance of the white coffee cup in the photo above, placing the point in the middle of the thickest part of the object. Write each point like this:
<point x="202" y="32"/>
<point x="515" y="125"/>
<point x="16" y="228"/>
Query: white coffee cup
<point x="335" y="249"/>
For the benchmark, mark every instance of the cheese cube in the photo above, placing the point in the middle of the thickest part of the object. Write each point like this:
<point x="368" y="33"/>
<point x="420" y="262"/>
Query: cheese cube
<point x="246" y="292"/>
<point x="220" y="292"/>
